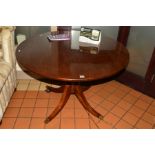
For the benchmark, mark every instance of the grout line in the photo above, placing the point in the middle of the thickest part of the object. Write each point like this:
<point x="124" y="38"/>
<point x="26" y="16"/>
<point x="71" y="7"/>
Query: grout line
<point x="21" y="103"/>
<point x="121" y="118"/>
<point x="74" y="113"/>
<point x="47" y="109"/>
<point x="141" y="118"/>
<point x="90" y="118"/>
<point x="93" y="93"/>
<point x="130" y="112"/>
<point x="34" y="107"/>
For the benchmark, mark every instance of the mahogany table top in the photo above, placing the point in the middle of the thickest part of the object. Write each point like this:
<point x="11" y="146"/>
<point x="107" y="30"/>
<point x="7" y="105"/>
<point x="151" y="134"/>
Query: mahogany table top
<point x="68" y="61"/>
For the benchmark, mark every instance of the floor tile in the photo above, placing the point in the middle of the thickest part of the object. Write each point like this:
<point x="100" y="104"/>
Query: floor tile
<point x="96" y="99"/>
<point x="151" y="110"/>
<point x="39" y="112"/>
<point x="94" y="89"/>
<point x="110" y="89"/>
<point x="78" y="105"/>
<point x="111" y="119"/>
<point x="123" y="125"/>
<point x="16" y="103"/>
<point x="141" y="104"/>
<point x="43" y="95"/>
<point x="130" y="118"/>
<point x="118" y="111"/>
<point x="67" y="113"/>
<point x="81" y="123"/>
<point x="93" y="104"/>
<point x="37" y="123"/>
<point x="93" y="125"/>
<point x="149" y="118"/>
<point x="153" y="103"/>
<point x="33" y="87"/>
<point x="67" y="123"/>
<point x="41" y="103"/>
<point x="136" y="111"/>
<point x="104" y="125"/>
<point x="28" y="103"/>
<point x="125" y="88"/>
<point x="42" y="86"/>
<point x="24" y="81"/>
<point x="94" y="118"/>
<point x="31" y="94"/>
<point x="124" y="105"/>
<point x="113" y="98"/>
<point x="19" y="94"/>
<point x="72" y="97"/>
<point x="114" y="83"/>
<point x="25" y="112"/>
<point x="34" y="81"/>
<point x="107" y="105"/>
<point x="143" y="125"/>
<point x="146" y="98"/>
<point x="69" y="104"/>
<point x="103" y="93"/>
<point x="22" y="87"/>
<point x="88" y="93"/>
<point x="135" y="93"/>
<point x="55" y="95"/>
<point x="101" y="110"/>
<point x="119" y="93"/>
<point x="7" y="123"/>
<point x="50" y="110"/>
<point x="53" y="103"/>
<point x="11" y="112"/>
<point x="54" y="124"/>
<point x="81" y="113"/>
<point x="22" y="123"/>
<point x="130" y="98"/>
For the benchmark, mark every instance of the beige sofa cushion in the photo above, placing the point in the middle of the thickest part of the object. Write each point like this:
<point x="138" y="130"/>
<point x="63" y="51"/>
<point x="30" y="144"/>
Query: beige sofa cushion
<point x="5" y="69"/>
<point x="1" y="53"/>
<point x="1" y="82"/>
<point x="7" y="38"/>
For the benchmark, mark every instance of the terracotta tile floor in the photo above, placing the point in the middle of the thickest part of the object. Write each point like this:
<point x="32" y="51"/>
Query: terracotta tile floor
<point x="123" y="108"/>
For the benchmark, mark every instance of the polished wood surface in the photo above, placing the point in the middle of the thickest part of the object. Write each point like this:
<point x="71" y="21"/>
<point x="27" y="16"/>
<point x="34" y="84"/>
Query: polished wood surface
<point x="66" y="61"/>
<point x="73" y="63"/>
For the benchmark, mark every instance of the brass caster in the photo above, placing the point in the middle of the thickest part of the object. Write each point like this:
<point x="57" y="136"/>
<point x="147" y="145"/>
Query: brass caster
<point x="47" y="120"/>
<point x="47" y="90"/>
<point x="101" y="117"/>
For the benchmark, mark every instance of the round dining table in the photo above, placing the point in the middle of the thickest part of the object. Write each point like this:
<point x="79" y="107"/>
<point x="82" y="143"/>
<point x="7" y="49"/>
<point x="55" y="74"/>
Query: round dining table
<point x="71" y="63"/>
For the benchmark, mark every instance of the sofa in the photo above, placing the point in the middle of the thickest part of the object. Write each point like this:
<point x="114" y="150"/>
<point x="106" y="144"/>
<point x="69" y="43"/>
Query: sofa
<point x="7" y="67"/>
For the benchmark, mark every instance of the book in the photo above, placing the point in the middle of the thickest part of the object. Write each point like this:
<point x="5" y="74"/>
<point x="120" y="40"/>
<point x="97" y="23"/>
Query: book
<point x="90" y="37"/>
<point x="58" y="37"/>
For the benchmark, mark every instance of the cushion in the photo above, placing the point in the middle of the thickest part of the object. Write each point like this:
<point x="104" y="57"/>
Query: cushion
<point x="10" y="28"/>
<point x="5" y="69"/>
<point x="1" y="53"/>
<point x="1" y="82"/>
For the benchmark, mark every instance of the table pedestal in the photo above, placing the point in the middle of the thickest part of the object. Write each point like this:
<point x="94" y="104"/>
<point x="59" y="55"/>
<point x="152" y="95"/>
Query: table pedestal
<point x="66" y="91"/>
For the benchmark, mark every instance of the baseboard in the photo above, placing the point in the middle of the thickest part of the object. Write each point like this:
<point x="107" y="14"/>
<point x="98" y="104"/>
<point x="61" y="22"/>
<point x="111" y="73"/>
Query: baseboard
<point x="22" y="75"/>
<point x="135" y="81"/>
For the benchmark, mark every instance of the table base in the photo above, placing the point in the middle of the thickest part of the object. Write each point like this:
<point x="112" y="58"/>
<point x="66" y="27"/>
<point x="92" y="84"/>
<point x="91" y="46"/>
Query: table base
<point x="66" y="91"/>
